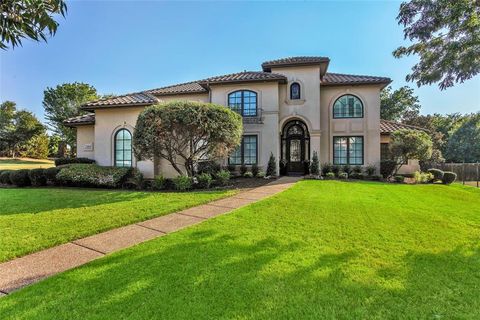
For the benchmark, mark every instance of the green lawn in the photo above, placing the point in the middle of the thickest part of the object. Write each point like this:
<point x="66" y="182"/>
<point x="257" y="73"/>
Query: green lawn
<point x="321" y="250"/>
<point x="34" y="219"/>
<point x="20" y="163"/>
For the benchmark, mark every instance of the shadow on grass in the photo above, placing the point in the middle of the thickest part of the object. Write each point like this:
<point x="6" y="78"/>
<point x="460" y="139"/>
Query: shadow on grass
<point x="205" y="275"/>
<point x="35" y="200"/>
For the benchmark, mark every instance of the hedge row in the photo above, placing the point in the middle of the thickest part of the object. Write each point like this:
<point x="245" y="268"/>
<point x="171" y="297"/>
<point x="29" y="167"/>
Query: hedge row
<point x="63" y="161"/>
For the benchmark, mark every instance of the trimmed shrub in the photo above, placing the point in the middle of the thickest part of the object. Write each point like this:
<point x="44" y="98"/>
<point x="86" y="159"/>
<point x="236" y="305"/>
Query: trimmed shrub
<point x="355" y="175"/>
<point x="231" y="168"/>
<point x="20" y="178"/>
<point x="422" y="177"/>
<point x="204" y="180"/>
<point x="248" y="175"/>
<point x="272" y="166"/>
<point x="326" y="168"/>
<point x="261" y="174"/>
<point x="182" y="183"/>
<point x="449" y="177"/>
<point x="223" y="177"/>
<point x="370" y="170"/>
<point x="51" y="174"/>
<point x="336" y="169"/>
<point x="347" y="169"/>
<point x="315" y="165"/>
<point x="243" y="169"/>
<point x="330" y="175"/>
<point x="62" y="161"/>
<point x="399" y="179"/>
<point x="343" y="175"/>
<point x="357" y="169"/>
<point x="92" y="175"/>
<point x="211" y="167"/>
<point x="138" y="179"/>
<point x="159" y="182"/>
<point x="5" y="177"/>
<point x="255" y="170"/>
<point x="387" y="167"/>
<point x="37" y="177"/>
<point x="437" y="173"/>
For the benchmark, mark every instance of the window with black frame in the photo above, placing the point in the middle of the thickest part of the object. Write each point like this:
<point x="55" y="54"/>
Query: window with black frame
<point x="123" y="148"/>
<point x="348" y="150"/>
<point x="246" y="152"/>
<point x="348" y="106"/>
<point x="295" y="91"/>
<point x="243" y="102"/>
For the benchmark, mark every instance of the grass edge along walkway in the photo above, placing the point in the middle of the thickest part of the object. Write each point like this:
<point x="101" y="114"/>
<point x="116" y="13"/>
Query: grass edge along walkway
<point x="32" y="268"/>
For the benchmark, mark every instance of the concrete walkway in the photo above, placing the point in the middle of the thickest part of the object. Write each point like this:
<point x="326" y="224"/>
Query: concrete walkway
<point x="26" y="270"/>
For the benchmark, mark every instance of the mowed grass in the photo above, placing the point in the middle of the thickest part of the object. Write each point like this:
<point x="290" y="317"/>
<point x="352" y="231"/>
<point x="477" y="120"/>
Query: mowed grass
<point x="20" y="163"/>
<point x="36" y="218"/>
<point x="320" y="250"/>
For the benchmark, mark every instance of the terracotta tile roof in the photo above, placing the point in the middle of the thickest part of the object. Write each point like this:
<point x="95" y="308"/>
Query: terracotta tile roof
<point x="246" y="76"/>
<point x="88" y="118"/>
<point x="293" y="61"/>
<point x="351" y="79"/>
<point x="387" y="127"/>
<point x="132" y="99"/>
<point x="188" y="87"/>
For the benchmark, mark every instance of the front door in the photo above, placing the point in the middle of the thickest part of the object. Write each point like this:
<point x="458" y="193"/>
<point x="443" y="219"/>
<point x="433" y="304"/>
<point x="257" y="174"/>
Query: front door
<point x="295" y="155"/>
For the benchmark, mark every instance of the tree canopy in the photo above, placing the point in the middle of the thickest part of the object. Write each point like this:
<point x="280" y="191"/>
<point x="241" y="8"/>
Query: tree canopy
<point x="464" y="142"/>
<point x="20" y="19"/>
<point x="184" y="132"/>
<point x="398" y="105"/>
<point x="445" y="34"/>
<point x="63" y="102"/>
<point x="410" y="144"/>
<point x="18" y="128"/>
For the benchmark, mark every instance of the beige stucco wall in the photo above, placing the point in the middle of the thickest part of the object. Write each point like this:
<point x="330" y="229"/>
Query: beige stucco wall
<point x="368" y="126"/>
<point x="267" y="131"/>
<point x="86" y="141"/>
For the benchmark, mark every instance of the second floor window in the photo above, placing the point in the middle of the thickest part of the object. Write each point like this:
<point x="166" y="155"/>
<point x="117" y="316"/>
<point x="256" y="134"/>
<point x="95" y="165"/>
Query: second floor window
<point x="243" y="102"/>
<point x="348" y="106"/>
<point x="295" y="91"/>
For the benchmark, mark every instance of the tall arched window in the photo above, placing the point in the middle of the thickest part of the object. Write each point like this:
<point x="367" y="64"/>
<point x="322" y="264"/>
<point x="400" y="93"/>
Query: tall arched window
<point x="295" y="91"/>
<point x="348" y="106"/>
<point x="243" y="102"/>
<point x="123" y="148"/>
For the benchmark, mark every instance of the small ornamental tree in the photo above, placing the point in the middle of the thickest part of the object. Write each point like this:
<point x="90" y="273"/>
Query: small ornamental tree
<point x="183" y="132"/>
<point x="410" y="144"/>
<point x="315" y="165"/>
<point x="271" y="166"/>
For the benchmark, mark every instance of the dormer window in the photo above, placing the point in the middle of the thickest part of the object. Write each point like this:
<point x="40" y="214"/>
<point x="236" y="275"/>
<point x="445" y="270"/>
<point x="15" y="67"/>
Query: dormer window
<point x="295" y="91"/>
<point x="243" y="102"/>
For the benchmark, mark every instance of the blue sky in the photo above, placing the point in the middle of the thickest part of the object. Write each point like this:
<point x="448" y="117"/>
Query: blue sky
<point x="126" y="46"/>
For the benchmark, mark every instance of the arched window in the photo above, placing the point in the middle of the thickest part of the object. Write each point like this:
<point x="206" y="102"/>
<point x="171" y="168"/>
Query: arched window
<point x="348" y="106"/>
<point x="295" y="91"/>
<point x="123" y="148"/>
<point x="243" y="102"/>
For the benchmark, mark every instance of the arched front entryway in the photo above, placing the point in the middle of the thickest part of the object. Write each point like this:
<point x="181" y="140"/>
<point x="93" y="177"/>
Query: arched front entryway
<point x="295" y="148"/>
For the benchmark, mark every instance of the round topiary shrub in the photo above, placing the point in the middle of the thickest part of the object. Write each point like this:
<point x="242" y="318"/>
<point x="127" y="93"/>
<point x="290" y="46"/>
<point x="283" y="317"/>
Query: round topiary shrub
<point x="204" y="180"/>
<point x="182" y="183"/>
<point x="20" y="178"/>
<point x="51" y="175"/>
<point x="37" y="177"/>
<point x="342" y="175"/>
<point x="399" y="179"/>
<point x="5" y="177"/>
<point x="330" y="175"/>
<point x="449" y="177"/>
<point x="437" y="173"/>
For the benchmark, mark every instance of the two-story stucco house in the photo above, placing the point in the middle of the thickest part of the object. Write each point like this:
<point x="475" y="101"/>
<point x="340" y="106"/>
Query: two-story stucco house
<point x="291" y="108"/>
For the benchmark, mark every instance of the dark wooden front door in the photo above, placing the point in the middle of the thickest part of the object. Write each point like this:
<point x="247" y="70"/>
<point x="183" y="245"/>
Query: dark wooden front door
<point x="295" y="154"/>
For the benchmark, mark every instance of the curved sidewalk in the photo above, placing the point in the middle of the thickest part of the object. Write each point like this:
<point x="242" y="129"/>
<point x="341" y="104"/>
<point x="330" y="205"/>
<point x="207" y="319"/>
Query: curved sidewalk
<point x="32" y="268"/>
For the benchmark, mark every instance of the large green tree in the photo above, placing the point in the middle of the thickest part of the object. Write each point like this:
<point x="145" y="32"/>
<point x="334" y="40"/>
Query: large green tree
<point x="184" y="132"/>
<point x="398" y="105"/>
<point x="464" y="142"/>
<point x="18" y="127"/>
<point x="32" y="19"/>
<point x="445" y="34"/>
<point x="410" y="144"/>
<point x="63" y="102"/>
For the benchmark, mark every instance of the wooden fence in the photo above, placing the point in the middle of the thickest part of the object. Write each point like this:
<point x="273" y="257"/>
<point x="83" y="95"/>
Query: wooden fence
<point x="467" y="173"/>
